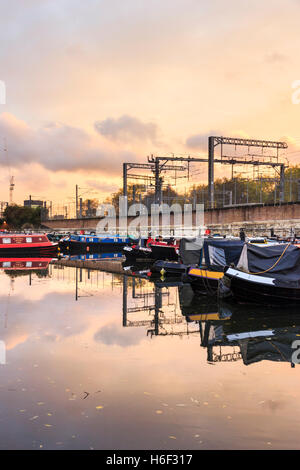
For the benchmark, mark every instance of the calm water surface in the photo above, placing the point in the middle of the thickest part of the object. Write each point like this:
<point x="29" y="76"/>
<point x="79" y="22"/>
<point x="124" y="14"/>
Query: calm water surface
<point x="96" y="361"/>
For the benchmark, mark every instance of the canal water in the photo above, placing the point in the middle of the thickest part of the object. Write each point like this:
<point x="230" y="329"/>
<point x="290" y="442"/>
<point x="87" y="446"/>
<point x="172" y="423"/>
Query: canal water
<point x="91" y="360"/>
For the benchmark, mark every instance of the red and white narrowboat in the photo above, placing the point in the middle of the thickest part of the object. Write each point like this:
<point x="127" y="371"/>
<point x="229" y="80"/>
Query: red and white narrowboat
<point x="35" y="244"/>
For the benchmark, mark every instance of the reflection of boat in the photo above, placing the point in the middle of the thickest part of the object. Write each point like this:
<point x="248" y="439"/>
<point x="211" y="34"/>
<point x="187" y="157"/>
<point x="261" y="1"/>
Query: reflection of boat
<point x="195" y="309"/>
<point x="35" y="244"/>
<point x="251" y="334"/>
<point x="95" y="256"/>
<point x="16" y="267"/>
<point x="269" y="276"/>
<point x="24" y="263"/>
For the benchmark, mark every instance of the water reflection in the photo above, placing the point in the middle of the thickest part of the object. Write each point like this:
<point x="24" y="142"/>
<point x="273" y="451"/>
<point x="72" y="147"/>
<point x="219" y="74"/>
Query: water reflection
<point x="229" y="332"/>
<point x="103" y="361"/>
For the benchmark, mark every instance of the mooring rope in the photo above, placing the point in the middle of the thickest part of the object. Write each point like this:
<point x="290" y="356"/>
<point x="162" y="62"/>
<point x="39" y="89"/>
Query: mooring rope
<point x="269" y="269"/>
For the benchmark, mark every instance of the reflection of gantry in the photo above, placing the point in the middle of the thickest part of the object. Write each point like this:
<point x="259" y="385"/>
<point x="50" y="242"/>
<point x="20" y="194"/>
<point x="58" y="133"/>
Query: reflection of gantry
<point x="226" y="357"/>
<point x="210" y="337"/>
<point x="163" y="317"/>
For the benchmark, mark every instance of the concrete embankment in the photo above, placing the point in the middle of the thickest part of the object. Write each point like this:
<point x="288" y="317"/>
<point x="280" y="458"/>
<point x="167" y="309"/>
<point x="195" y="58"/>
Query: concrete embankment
<point x="110" y="266"/>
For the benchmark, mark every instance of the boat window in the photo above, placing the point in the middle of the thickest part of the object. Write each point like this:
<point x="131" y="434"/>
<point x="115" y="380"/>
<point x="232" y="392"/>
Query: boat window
<point x="6" y="240"/>
<point x="28" y="264"/>
<point x="6" y="264"/>
<point x="28" y="240"/>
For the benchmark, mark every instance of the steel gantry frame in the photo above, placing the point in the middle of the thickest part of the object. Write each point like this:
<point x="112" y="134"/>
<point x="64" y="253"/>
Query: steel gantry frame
<point x="214" y="141"/>
<point x="156" y="168"/>
<point x="157" y="164"/>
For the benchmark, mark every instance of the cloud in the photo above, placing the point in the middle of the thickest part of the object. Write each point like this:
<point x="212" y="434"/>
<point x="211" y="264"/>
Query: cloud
<point x="275" y="58"/>
<point x="112" y="334"/>
<point x="102" y="186"/>
<point x="200" y="141"/>
<point x="59" y="147"/>
<point x="127" y="128"/>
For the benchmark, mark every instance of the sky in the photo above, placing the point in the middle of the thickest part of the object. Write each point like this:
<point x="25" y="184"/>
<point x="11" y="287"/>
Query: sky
<point x="90" y="85"/>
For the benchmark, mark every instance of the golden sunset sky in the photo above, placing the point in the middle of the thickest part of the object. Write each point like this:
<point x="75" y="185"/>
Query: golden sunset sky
<point x="92" y="84"/>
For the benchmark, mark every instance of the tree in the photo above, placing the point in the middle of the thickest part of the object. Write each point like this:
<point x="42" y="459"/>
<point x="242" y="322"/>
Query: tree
<point x="17" y="216"/>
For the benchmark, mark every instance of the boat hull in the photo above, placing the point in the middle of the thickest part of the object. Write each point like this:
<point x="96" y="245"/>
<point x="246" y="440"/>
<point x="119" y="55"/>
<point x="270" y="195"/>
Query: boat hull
<point x="73" y="246"/>
<point x="50" y="251"/>
<point x="248" y="290"/>
<point x="204" y="281"/>
<point x="160" y="252"/>
<point x="168" y="268"/>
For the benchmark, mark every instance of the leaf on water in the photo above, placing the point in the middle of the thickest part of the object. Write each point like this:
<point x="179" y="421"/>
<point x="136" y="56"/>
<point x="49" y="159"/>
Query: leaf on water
<point x="48" y="425"/>
<point x="33" y="417"/>
<point x="22" y="411"/>
<point x="49" y="414"/>
<point x="205" y="403"/>
<point x="40" y="403"/>
<point x="147" y="393"/>
<point x="99" y="407"/>
<point x="158" y="412"/>
<point x="180" y="404"/>
<point x="172" y="437"/>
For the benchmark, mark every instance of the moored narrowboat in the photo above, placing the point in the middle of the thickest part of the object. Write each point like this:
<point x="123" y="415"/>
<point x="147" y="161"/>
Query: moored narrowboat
<point x="35" y="244"/>
<point x="93" y="243"/>
<point x="265" y="276"/>
<point x="150" y="250"/>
